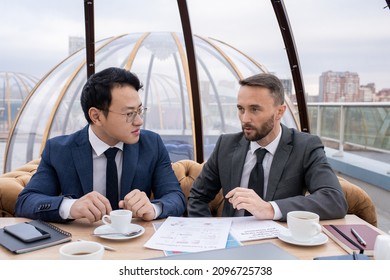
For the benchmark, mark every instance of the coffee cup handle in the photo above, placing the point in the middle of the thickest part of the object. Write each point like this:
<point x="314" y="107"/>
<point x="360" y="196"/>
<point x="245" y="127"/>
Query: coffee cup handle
<point x="318" y="228"/>
<point x="105" y="221"/>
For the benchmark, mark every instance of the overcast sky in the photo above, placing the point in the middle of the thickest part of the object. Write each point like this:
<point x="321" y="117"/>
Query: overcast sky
<point x="337" y="35"/>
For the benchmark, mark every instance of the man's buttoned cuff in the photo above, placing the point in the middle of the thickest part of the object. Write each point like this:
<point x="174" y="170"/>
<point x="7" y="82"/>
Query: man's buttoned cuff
<point x="278" y="214"/>
<point x="65" y="206"/>
<point x="157" y="209"/>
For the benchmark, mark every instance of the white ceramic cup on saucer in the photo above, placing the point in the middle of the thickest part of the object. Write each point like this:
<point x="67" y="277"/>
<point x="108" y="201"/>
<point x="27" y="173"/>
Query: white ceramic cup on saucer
<point x="303" y="225"/>
<point x="82" y="250"/>
<point x="119" y="220"/>
<point x="382" y="247"/>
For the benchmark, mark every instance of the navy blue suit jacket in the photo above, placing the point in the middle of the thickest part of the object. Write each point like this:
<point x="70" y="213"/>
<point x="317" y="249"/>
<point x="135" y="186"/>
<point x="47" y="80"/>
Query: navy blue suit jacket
<point x="66" y="170"/>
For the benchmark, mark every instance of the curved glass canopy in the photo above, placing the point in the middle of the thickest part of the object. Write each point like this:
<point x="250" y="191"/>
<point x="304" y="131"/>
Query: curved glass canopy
<point x="159" y="59"/>
<point x="14" y="88"/>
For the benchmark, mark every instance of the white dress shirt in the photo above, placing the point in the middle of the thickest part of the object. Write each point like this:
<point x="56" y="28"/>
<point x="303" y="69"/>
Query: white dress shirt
<point x="250" y="162"/>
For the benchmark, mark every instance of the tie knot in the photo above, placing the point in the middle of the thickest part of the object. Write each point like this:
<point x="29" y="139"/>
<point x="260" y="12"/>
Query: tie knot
<point x="111" y="153"/>
<point x="260" y="153"/>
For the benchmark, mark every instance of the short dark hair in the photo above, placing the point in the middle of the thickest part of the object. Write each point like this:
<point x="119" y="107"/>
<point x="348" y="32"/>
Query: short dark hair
<point x="97" y="90"/>
<point x="268" y="81"/>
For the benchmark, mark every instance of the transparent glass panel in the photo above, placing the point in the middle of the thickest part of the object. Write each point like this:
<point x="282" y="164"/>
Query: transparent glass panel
<point x="366" y="126"/>
<point x="330" y="123"/>
<point x="159" y="59"/>
<point x="14" y="89"/>
<point x="36" y="115"/>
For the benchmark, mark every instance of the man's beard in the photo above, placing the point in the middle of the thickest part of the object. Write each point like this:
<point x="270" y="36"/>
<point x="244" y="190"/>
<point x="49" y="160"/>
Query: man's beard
<point x="262" y="132"/>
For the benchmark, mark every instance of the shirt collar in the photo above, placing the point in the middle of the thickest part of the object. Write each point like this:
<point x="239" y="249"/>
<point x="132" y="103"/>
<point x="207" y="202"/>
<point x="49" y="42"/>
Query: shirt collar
<point x="271" y="147"/>
<point x="98" y="145"/>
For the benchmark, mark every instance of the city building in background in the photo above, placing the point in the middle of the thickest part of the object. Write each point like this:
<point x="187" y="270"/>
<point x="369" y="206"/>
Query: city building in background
<point x="367" y="92"/>
<point x="383" y="95"/>
<point x="75" y="44"/>
<point x="288" y="89"/>
<point x="339" y="87"/>
<point x="346" y="87"/>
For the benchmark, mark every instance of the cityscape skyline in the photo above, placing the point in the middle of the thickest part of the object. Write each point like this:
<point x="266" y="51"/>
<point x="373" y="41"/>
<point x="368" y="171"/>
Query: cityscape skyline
<point x="355" y="38"/>
<point x="346" y="87"/>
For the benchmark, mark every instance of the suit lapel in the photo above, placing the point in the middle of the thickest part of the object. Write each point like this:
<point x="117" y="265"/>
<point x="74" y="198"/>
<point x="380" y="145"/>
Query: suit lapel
<point x="238" y="161"/>
<point x="278" y="164"/>
<point x="237" y="165"/>
<point x="82" y="158"/>
<point x="130" y="159"/>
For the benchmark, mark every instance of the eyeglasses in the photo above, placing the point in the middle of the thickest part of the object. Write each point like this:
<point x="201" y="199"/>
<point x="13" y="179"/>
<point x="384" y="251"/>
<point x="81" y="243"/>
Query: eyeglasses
<point x="130" y="117"/>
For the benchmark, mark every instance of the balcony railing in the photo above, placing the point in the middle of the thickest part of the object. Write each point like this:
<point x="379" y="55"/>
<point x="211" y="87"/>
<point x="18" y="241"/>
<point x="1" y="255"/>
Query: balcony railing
<point x="364" y="126"/>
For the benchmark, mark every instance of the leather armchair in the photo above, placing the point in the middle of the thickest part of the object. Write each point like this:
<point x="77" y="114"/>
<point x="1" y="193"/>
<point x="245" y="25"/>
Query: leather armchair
<point x="12" y="183"/>
<point x="359" y="202"/>
<point x="186" y="171"/>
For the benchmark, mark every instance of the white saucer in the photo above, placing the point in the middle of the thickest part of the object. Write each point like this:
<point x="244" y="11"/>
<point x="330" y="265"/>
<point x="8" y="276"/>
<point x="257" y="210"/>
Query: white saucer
<point x="285" y="235"/>
<point x="108" y="229"/>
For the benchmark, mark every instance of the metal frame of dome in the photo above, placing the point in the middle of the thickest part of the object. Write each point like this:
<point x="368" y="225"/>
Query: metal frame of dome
<point x="53" y="108"/>
<point x="189" y="60"/>
<point x="289" y="42"/>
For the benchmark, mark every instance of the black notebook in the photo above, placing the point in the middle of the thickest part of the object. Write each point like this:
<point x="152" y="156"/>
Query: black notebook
<point x="15" y="245"/>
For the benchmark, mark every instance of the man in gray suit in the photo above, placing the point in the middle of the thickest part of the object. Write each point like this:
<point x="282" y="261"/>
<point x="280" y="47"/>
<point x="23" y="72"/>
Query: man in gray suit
<point x="294" y="163"/>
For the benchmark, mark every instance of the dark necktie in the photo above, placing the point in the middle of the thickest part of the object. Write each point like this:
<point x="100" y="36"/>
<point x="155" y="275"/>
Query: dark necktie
<point x="112" y="178"/>
<point x="256" y="178"/>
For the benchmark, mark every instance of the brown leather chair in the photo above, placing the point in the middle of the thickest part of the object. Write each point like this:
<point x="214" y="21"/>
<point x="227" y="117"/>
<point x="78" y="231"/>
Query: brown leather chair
<point x="186" y="171"/>
<point x="359" y="202"/>
<point x="12" y="183"/>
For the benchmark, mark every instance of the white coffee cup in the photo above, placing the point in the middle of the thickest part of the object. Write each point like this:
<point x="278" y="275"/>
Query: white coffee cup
<point x="303" y="225"/>
<point x="119" y="220"/>
<point x="382" y="247"/>
<point x="82" y="250"/>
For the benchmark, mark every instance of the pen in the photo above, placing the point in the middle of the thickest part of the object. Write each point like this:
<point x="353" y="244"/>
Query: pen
<point x="361" y="249"/>
<point x="358" y="237"/>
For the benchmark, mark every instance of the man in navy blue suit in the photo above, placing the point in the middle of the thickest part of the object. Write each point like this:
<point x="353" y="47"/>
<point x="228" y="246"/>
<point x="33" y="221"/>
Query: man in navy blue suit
<point x="70" y="182"/>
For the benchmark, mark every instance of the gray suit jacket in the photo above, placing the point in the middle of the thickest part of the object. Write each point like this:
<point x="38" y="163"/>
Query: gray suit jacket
<point x="299" y="165"/>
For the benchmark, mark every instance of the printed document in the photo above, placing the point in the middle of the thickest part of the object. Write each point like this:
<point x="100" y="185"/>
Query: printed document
<point x="250" y="228"/>
<point x="190" y="234"/>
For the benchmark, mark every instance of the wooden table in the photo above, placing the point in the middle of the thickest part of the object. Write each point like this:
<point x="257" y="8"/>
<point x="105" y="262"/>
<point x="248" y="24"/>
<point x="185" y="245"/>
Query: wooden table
<point x="134" y="249"/>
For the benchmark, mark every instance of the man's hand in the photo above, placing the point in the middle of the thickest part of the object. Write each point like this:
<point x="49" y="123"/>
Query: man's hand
<point x="243" y="198"/>
<point x="139" y="204"/>
<point x="92" y="206"/>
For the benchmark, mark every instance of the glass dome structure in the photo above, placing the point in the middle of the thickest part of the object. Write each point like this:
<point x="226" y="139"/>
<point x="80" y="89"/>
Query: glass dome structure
<point x="14" y="89"/>
<point x="159" y="60"/>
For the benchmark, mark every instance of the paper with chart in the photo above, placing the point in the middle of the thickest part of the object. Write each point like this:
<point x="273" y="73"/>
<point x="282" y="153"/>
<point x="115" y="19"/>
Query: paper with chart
<point x="190" y="234"/>
<point x="231" y="242"/>
<point x="249" y="228"/>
